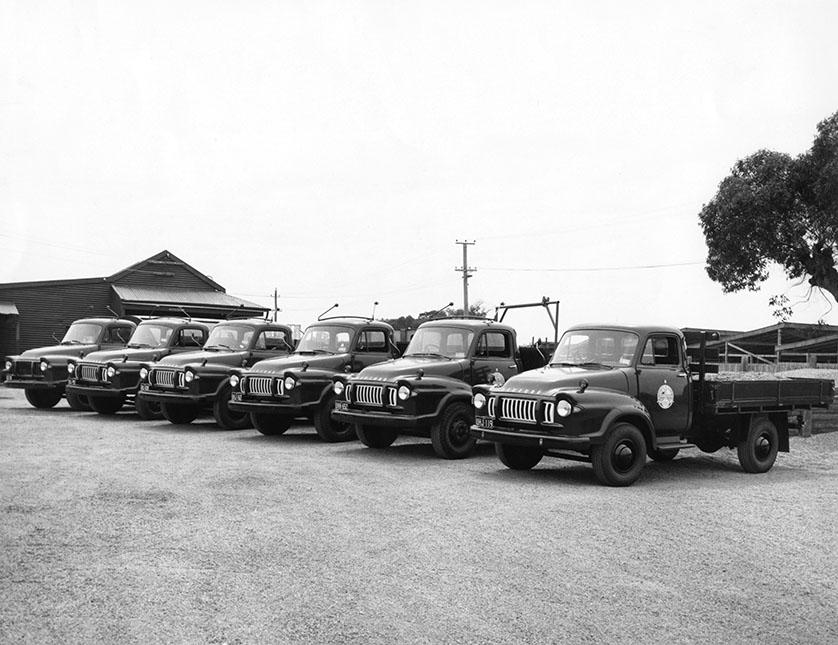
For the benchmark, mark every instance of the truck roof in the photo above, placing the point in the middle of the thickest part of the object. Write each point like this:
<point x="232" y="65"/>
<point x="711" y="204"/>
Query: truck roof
<point x="172" y="322"/>
<point x="469" y="323"/>
<point x="638" y="329"/>
<point x="350" y="321"/>
<point x="105" y="321"/>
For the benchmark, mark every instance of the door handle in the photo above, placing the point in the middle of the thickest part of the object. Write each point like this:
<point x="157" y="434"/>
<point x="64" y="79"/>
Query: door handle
<point x="682" y="374"/>
<point x="513" y="366"/>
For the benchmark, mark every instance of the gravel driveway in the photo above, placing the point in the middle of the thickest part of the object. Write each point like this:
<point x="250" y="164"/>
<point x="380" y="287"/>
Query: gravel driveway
<point x="118" y="530"/>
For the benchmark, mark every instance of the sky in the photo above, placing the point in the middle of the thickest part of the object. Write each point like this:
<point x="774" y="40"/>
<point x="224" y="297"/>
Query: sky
<point x="338" y="151"/>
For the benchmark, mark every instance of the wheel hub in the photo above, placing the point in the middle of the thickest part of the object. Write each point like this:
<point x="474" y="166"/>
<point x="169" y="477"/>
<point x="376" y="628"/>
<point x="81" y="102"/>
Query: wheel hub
<point x="623" y="456"/>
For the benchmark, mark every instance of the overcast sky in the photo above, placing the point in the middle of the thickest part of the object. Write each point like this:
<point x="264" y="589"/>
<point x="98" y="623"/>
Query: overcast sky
<point x="336" y="151"/>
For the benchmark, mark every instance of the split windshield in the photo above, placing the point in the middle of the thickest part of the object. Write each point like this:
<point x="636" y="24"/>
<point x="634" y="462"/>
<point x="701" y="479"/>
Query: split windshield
<point x="230" y="337"/>
<point x="147" y="335"/>
<point x="450" y="342"/>
<point x="329" y="339"/>
<point x="596" y="347"/>
<point x="82" y="334"/>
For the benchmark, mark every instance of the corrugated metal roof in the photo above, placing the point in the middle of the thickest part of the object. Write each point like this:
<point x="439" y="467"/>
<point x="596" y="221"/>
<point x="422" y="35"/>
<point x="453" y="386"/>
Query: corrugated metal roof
<point x="8" y="309"/>
<point x="131" y="294"/>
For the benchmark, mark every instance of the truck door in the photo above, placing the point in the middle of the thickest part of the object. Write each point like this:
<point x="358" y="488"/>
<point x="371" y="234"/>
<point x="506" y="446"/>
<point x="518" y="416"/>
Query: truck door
<point x="371" y="346"/>
<point x="495" y="352"/>
<point x="663" y="384"/>
<point x="268" y="343"/>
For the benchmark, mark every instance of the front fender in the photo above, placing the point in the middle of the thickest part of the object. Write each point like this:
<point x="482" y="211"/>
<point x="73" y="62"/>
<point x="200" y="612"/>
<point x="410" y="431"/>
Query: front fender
<point x="619" y="407"/>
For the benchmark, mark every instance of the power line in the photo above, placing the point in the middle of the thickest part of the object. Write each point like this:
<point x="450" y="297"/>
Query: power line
<point x="590" y="269"/>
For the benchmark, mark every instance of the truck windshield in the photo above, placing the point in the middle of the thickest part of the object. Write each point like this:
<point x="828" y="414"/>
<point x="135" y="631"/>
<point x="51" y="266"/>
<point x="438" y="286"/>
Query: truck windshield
<point x="605" y="347"/>
<point x="150" y="335"/>
<point x="226" y="336"/>
<point x="449" y="342"/>
<point x="82" y="334"/>
<point x="329" y="339"/>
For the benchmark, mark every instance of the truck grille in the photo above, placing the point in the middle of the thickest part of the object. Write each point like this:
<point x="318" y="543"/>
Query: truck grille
<point x="26" y="368"/>
<point x="168" y="378"/>
<point x="518" y="409"/>
<point x="369" y="394"/>
<point x="260" y="385"/>
<point x="89" y="373"/>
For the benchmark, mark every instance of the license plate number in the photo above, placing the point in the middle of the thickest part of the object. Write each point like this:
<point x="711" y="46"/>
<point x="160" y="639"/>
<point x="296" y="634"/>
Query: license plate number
<point x="485" y="422"/>
<point x="144" y="387"/>
<point x="236" y="396"/>
<point x="341" y="406"/>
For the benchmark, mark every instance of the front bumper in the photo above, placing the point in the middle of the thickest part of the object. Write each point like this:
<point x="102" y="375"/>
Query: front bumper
<point x="34" y="384"/>
<point x="380" y="418"/>
<point x="175" y="397"/>
<point x="239" y="404"/>
<point x="535" y="437"/>
<point x="100" y="391"/>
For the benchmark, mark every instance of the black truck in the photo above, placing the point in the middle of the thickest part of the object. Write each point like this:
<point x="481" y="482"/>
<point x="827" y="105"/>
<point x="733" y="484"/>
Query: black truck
<point x="109" y="378"/>
<point x="612" y="395"/>
<point x="427" y="392"/>
<point x="276" y="390"/>
<point x="184" y="385"/>
<point x="42" y="372"/>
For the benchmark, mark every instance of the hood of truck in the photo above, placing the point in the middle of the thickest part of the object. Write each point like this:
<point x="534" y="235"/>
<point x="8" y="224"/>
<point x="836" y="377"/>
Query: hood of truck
<point x="233" y="359"/>
<point x="278" y="365"/>
<point x="57" y="350"/>
<point x="132" y="354"/>
<point x="549" y="380"/>
<point x="410" y="366"/>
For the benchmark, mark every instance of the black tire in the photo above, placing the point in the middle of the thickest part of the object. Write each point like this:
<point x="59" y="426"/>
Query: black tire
<point x="327" y="428"/>
<point x="518" y="457"/>
<point x="667" y="454"/>
<point x="179" y="413"/>
<point x="42" y="398"/>
<point x="78" y="402"/>
<point x="270" y="424"/>
<point x="224" y="416"/>
<point x="709" y="445"/>
<point x="148" y="410"/>
<point x="450" y="436"/>
<point x="375" y="437"/>
<point x="757" y="450"/>
<point x="619" y="460"/>
<point x="106" y="405"/>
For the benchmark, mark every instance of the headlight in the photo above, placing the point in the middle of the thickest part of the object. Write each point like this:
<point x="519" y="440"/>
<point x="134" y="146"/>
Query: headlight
<point x="44" y="366"/>
<point x="143" y="373"/>
<point x="71" y="368"/>
<point x="111" y="371"/>
<point x="290" y="383"/>
<point x="479" y="400"/>
<point x="189" y="376"/>
<point x="404" y="393"/>
<point x="564" y="408"/>
<point x="338" y="387"/>
<point x="234" y="381"/>
<point x="9" y="365"/>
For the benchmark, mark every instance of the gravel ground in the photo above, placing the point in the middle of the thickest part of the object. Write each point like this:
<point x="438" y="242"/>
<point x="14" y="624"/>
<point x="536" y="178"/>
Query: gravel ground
<point x="118" y="530"/>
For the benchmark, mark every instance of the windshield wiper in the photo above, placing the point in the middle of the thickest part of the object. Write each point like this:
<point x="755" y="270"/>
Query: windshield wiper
<point x="138" y="345"/>
<point x="219" y="345"/>
<point x="429" y="354"/>
<point x="564" y="364"/>
<point x="595" y="365"/>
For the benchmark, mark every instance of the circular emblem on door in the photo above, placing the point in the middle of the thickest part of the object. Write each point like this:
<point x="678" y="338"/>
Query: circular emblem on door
<point x="666" y="397"/>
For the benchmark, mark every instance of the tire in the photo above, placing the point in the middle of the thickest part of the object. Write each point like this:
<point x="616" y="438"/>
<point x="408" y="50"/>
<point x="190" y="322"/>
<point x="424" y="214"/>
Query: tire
<point x="42" y="399"/>
<point x="224" y="416"/>
<point x="270" y="424"/>
<point x="179" y="413"/>
<point x="450" y="436"/>
<point x="619" y="460"/>
<point x="518" y="457"/>
<point x="375" y="437"/>
<point x="327" y="428"/>
<point x="105" y="404"/>
<point x="78" y="402"/>
<point x="709" y="445"/>
<point x="147" y="410"/>
<point x="757" y="450"/>
<point x="664" y="455"/>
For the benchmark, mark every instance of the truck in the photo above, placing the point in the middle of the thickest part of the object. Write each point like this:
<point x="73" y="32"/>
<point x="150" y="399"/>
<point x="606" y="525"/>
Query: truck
<point x="276" y="390"/>
<point x="42" y="372"/>
<point x="427" y="392"/>
<point x="185" y="385"/>
<point x="612" y="395"/>
<point x="110" y="378"/>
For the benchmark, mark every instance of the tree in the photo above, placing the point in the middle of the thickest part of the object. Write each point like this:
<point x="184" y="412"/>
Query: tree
<point x="409" y="322"/>
<point x="775" y="208"/>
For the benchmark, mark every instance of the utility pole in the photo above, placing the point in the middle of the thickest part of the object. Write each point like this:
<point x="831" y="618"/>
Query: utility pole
<point x="276" y="304"/>
<point x="466" y="275"/>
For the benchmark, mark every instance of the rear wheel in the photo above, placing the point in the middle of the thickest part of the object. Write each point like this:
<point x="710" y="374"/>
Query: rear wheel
<point x="42" y="398"/>
<point x="619" y="460"/>
<point x="270" y="424"/>
<point x="758" y="448"/>
<point x="224" y="416"/>
<point x="147" y="410"/>
<point x="450" y="436"/>
<point x="327" y="428"/>
<point x="375" y="437"/>
<point x="667" y="454"/>
<point x="518" y="457"/>
<point x="78" y="402"/>
<point x="179" y="413"/>
<point x="106" y="404"/>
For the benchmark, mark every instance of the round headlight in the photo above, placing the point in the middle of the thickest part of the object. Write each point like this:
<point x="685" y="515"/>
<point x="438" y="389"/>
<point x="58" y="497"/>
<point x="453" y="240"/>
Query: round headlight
<point x="189" y="376"/>
<point x="564" y="408"/>
<point x="71" y="368"/>
<point x="404" y="393"/>
<point x="234" y="380"/>
<point x="111" y="371"/>
<point x="479" y="400"/>
<point x="338" y="387"/>
<point x="44" y="366"/>
<point x="9" y="365"/>
<point x="290" y="382"/>
<point x="143" y="373"/>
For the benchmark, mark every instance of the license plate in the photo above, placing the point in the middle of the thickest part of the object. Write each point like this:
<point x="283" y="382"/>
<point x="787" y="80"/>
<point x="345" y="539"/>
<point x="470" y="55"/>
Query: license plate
<point x="236" y="396"/>
<point x="485" y="422"/>
<point x="144" y="387"/>
<point x="341" y="406"/>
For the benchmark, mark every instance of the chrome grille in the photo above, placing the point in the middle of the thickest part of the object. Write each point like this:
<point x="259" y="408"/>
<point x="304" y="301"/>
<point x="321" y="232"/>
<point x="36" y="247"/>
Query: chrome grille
<point x="369" y="394"/>
<point x="392" y="394"/>
<point x="26" y="368"/>
<point x="259" y="385"/>
<point x="164" y="378"/>
<point x="89" y="373"/>
<point x="518" y="409"/>
<point x="491" y="406"/>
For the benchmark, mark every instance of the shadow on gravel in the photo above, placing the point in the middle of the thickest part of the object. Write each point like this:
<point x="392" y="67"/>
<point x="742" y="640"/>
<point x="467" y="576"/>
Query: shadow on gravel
<point x="289" y="438"/>
<point x="412" y="451"/>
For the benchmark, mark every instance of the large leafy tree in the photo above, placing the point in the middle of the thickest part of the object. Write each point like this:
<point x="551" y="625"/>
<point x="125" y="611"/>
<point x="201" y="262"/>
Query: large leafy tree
<point x="776" y="208"/>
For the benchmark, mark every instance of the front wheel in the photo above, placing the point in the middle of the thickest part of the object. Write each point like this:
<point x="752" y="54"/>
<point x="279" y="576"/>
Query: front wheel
<point x="78" y="402"/>
<point x="518" y="457"/>
<point x="42" y="398"/>
<point x="179" y="413"/>
<point x="105" y="404"/>
<point x="758" y="449"/>
<point x="450" y="436"/>
<point x="147" y="410"/>
<point x="375" y="437"/>
<point x="619" y="460"/>
<point x="327" y="428"/>
<point x="270" y="424"/>
<point x="224" y="416"/>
